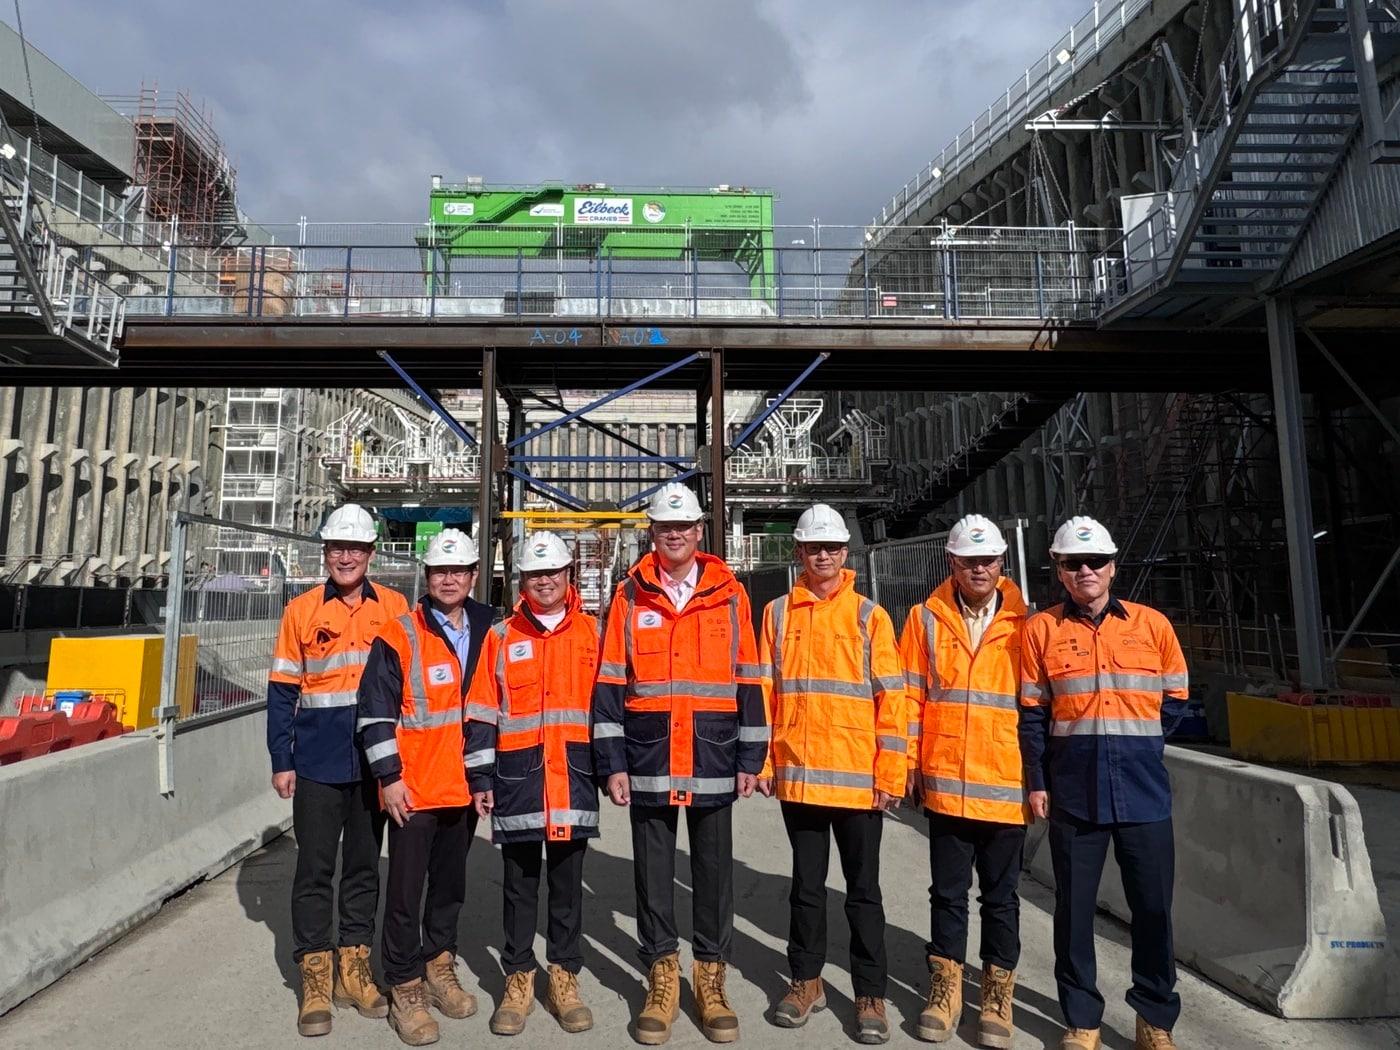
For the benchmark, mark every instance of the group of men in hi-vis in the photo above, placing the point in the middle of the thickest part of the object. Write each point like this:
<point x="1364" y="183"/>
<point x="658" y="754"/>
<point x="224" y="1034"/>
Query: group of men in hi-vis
<point x="985" y="716"/>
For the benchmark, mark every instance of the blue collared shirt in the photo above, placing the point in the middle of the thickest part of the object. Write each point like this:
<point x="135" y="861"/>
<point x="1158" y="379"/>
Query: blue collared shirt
<point x="461" y="639"/>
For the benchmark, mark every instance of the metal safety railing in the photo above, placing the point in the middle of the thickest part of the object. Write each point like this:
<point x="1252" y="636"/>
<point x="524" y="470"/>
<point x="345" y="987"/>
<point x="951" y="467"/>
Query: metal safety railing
<point x="222" y="614"/>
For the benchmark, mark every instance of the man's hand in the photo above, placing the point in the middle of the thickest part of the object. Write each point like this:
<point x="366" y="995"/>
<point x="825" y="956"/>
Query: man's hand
<point x="913" y="796"/>
<point x="884" y="801"/>
<point x="746" y="783"/>
<point x="765" y="786"/>
<point x="396" y="802"/>
<point x="285" y="784"/>
<point x="1040" y="804"/>
<point x="485" y="803"/>
<point x="620" y="789"/>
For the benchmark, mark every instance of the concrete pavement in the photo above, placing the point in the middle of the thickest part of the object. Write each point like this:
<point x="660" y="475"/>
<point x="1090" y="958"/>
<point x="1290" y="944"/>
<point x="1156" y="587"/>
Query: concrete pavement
<point x="212" y="969"/>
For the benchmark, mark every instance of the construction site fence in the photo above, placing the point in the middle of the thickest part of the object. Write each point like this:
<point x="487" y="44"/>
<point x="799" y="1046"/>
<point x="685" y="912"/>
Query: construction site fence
<point x="237" y="580"/>
<point x="413" y="270"/>
<point x="897" y="574"/>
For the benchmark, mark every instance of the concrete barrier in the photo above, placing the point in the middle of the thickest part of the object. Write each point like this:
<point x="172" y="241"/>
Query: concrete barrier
<point x="1274" y="898"/>
<point x="91" y="848"/>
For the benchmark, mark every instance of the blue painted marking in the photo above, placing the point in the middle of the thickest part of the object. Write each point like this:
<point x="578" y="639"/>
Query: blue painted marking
<point x="656" y="337"/>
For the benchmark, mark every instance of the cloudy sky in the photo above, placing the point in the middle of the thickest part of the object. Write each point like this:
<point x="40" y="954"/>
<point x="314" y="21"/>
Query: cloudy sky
<point x="341" y="109"/>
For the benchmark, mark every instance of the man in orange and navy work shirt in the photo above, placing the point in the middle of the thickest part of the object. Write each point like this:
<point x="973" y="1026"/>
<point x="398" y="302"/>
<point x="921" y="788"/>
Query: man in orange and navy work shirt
<point x="411" y="713"/>
<point x="678" y="724"/>
<point x="531" y="772"/>
<point x="321" y="650"/>
<point x="1101" y="682"/>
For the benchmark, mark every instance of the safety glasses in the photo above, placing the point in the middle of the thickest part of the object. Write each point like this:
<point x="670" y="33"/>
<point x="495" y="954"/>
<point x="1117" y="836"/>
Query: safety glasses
<point x="1094" y="561"/>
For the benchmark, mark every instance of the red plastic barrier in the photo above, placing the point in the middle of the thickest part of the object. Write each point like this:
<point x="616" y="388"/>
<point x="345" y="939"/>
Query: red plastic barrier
<point x="33" y="733"/>
<point x="94" y="720"/>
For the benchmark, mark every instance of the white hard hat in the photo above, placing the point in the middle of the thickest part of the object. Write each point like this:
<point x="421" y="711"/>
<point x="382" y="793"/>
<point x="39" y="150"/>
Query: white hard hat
<point x="451" y="547"/>
<point x="543" y="550"/>
<point x="975" y="535"/>
<point x="350" y="523"/>
<point x="820" y="524"/>
<point x="674" y="502"/>
<point x="1082" y="535"/>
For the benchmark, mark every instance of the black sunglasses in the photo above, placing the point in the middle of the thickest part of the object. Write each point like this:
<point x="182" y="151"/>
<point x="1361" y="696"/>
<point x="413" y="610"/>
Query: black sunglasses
<point x="1094" y="561"/>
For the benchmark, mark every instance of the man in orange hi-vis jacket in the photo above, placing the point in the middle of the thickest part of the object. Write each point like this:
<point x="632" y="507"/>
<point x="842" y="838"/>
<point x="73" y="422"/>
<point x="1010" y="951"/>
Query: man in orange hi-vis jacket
<point x="962" y="653"/>
<point x="835" y="693"/>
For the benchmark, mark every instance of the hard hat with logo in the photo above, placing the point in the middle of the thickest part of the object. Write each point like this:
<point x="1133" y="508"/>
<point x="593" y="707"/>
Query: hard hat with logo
<point x="674" y="502"/>
<point x="349" y="523"/>
<point x="543" y="551"/>
<point x="451" y="547"/>
<point x="1082" y="535"/>
<point x="973" y="536"/>
<point x="820" y="524"/>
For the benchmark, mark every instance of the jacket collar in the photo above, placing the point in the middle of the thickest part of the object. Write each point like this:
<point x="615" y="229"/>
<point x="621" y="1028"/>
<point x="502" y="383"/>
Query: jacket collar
<point x="526" y="621"/>
<point x="715" y="585"/>
<point x="802" y="593"/>
<point x="1114" y="608"/>
<point x="367" y="591"/>
<point x="944" y="602"/>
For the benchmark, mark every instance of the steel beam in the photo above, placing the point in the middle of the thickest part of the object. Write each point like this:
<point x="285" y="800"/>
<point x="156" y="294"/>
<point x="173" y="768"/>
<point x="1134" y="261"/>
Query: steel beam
<point x="641" y="497"/>
<point x="716" y="463"/>
<point x="544" y="488"/>
<point x="428" y="399"/>
<point x="485" y="510"/>
<point x="1297" y="495"/>
<point x="607" y="431"/>
<point x="767" y="413"/>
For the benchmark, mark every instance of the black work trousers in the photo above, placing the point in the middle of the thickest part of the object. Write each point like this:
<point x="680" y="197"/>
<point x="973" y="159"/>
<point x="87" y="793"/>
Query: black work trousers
<point x="711" y="834"/>
<point x="431" y="846"/>
<point x="1146" y="854"/>
<point x="330" y="820"/>
<point x="520" y="905"/>
<point x="957" y="846"/>
<point x="857" y="833"/>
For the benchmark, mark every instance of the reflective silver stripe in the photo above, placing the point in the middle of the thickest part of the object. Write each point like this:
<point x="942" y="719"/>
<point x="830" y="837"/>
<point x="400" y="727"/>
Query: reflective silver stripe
<point x="915" y="728"/>
<point x="629" y="592"/>
<point x="1105" y="727"/>
<point x="755" y="734"/>
<point x="830" y="686"/>
<point x="749" y="670"/>
<point x="697" y="785"/>
<point x="1174" y="681"/>
<point x="765" y="670"/>
<point x="607" y="670"/>
<point x="579" y="818"/>
<point x="416" y="688"/>
<point x="888" y="684"/>
<point x="930" y="623"/>
<point x="282" y="666"/>
<point x="375" y="752"/>
<point x="582" y="818"/>
<point x="502" y="687"/>
<point x="985" y="792"/>
<point x="432" y="720"/>
<point x="603" y="730"/>
<point x="686" y="687"/>
<point x="482" y="713"/>
<point x="734" y="640"/>
<point x="867" y="610"/>
<point x="913" y="681"/>
<point x="779" y="607"/>
<point x="568" y="717"/>
<point x="361" y="723"/>
<point x="1032" y="691"/>
<point x="348" y="699"/>
<point x="518" y="821"/>
<point x="484" y="757"/>
<point x="976" y="697"/>
<point x="521" y="724"/>
<point x="892" y="743"/>
<point x="825" y="777"/>
<point x="334" y="662"/>
<point x="1133" y="683"/>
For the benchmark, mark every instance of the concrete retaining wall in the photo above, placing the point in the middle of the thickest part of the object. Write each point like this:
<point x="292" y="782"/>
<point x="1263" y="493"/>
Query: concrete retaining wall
<point x="91" y="848"/>
<point x="1274" y="894"/>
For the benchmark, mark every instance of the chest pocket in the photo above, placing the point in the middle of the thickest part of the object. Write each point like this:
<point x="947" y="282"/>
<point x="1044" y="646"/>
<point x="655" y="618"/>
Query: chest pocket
<point x="651" y="639"/>
<point x="1137" y="660"/>
<point x="714" y="641"/>
<point x="523" y="681"/>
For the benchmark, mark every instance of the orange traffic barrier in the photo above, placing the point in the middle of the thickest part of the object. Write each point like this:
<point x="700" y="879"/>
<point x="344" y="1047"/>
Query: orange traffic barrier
<point x="94" y="720"/>
<point x="41" y="729"/>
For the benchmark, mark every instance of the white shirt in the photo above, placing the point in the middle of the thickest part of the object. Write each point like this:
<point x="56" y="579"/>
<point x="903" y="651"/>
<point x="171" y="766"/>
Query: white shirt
<point x="977" y="620"/>
<point x="679" y="591"/>
<point x="550" y="621"/>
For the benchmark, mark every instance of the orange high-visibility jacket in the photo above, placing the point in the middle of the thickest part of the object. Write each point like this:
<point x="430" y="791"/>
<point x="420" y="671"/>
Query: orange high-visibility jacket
<point x="678" y="705"/>
<point x="428" y="741"/>
<point x="835" y="694"/>
<point x="963" y="717"/>
<point x="527" y="726"/>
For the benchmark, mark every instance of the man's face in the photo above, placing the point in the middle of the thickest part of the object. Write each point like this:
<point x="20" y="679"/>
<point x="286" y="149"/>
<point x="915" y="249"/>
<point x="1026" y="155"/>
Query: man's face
<point x="676" y="541"/>
<point x="976" y="577"/>
<point x="347" y="563"/>
<point x="450" y="584"/>
<point x="822" y="561"/>
<point x="1087" y="577"/>
<point x="547" y="589"/>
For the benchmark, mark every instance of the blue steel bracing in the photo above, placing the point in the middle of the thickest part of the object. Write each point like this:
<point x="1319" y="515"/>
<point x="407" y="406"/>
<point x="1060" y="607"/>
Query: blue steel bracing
<point x="546" y="489"/>
<point x="762" y="417"/>
<point x="447" y="417"/>
<point x="638" y="497"/>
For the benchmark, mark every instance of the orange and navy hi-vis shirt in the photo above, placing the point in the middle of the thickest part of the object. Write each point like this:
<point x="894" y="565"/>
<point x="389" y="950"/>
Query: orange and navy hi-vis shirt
<point x="962" y="706"/>
<point x="1095" y="694"/>
<point x="678" y="705"/>
<point x="320" y="653"/>
<point x="527" y="726"/>
<point x="835" y="693"/>
<point x="414" y="684"/>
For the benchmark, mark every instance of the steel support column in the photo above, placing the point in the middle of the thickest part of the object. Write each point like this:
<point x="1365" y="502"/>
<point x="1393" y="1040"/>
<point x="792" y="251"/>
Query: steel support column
<point x="716" y="458"/>
<point x="490" y="451"/>
<point x="1297" y="495"/>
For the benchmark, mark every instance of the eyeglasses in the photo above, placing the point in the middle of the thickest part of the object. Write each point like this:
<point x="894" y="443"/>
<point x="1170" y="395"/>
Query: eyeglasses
<point x="980" y="561"/>
<point x="358" y="550"/>
<point x="674" y="526"/>
<point x="449" y="570"/>
<point x="813" y="549"/>
<point x="1094" y="561"/>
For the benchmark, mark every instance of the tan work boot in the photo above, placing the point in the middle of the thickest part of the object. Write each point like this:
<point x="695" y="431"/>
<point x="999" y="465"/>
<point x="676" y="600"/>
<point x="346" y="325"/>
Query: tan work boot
<point x="562" y="1000"/>
<point x="314" y="1013"/>
<point x="354" y="983"/>
<point x="663" y="1002"/>
<point x="1150" y="1037"/>
<point x="994" y="1026"/>
<point x="802" y="998"/>
<point x="516" y="1003"/>
<point x="1080" y="1039"/>
<point x="718" y="1021"/>
<point x="943" y="1010"/>
<point x="408" y="1013"/>
<point x="872" y="1026"/>
<point x="444" y="990"/>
